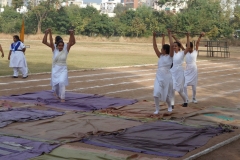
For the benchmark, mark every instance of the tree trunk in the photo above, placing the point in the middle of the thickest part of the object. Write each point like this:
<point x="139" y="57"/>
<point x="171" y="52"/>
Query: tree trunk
<point x="39" y="29"/>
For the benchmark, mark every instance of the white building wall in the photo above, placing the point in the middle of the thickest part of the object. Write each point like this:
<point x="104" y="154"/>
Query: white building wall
<point x="107" y="6"/>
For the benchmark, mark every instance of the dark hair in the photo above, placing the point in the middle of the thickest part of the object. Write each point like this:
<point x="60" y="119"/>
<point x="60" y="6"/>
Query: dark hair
<point x="178" y="43"/>
<point x="17" y="37"/>
<point x="166" y="47"/>
<point x="191" y="45"/>
<point x="58" y="42"/>
<point x="58" y="38"/>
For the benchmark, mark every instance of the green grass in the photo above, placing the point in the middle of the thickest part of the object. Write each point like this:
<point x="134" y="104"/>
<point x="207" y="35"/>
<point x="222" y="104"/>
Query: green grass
<point x="83" y="56"/>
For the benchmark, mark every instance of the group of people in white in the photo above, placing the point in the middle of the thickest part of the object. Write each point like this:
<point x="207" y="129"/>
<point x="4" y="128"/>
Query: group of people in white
<point x="170" y="75"/>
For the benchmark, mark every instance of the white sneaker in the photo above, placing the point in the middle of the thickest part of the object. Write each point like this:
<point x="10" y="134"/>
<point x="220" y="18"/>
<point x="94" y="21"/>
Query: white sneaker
<point x="156" y="112"/>
<point x="194" y="100"/>
<point x="170" y="109"/>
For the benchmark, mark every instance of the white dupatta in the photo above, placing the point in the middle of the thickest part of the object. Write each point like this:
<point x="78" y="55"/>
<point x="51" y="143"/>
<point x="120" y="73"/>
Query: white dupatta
<point x="60" y="59"/>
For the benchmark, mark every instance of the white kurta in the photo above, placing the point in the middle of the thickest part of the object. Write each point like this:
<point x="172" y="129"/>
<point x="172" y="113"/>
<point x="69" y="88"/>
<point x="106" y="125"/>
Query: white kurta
<point x="191" y="73"/>
<point x="178" y="71"/>
<point x="17" y="58"/>
<point x="59" y="72"/>
<point x="163" y="81"/>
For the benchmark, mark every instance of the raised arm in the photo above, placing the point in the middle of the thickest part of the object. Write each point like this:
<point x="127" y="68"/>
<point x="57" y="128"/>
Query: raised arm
<point x="158" y="53"/>
<point x="175" y="38"/>
<point x="171" y="43"/>
<point x="44" y="41"/>
<point x="72" y="40"/>
<point x="51" y="39"/>
<point x="198" y="41"/>
<point x="188" y="45"/>
<point x="1" y="50"/>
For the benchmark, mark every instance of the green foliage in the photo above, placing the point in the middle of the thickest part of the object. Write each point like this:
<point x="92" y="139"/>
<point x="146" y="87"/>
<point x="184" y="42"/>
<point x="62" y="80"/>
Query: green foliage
<point x="17" y="3"/>
<point x="120" y="8"/>
<point x="201" y="15"/>
<point x="10" y="21"/>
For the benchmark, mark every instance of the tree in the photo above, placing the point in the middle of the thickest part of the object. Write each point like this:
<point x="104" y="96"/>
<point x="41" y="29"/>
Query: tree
<point x="120" y="8"/>
<point x="17" y="3"/>
<point x="11" y="20"/>
<point x="41" y="11"/>
<point x="138" y="26"/>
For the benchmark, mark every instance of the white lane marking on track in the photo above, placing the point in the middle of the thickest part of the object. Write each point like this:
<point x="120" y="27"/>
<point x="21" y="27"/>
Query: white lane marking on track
<point x="97" y="69"/>
<point x="202" y="86"/>
<point x="119" y="83"/>
<point x="108" y="73"/>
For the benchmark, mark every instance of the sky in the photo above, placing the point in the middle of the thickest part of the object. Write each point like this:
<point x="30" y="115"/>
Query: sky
<point x="93" y="1"/>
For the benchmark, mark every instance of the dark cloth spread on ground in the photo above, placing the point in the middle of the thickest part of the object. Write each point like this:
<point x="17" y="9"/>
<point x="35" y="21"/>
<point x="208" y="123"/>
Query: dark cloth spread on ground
<point x="158" y="138"/>
<point x="73" y="101"/>
<point x="25" y="114"/>
<point x="12" y="148"/>
<point x="70" y="127"/>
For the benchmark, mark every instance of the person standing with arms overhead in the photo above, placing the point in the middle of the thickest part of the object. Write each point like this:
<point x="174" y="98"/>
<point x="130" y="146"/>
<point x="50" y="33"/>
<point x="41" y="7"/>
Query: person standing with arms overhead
<point x="17" y="57"/>
<point x="1" y="50"/>
<point x="59" y="68"/>
<point x="163" y="81"/>
<point x="45" y="41"/>
<point x="191" y="73"/>
<point x="178" y="71"/>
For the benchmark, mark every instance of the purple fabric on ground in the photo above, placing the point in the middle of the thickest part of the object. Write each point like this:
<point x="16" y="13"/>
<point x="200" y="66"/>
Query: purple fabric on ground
<point x="74" y="101"/>
<point x="158" y="138"/>
<point x="26" y="149"/>
<point x="25" y="114"/>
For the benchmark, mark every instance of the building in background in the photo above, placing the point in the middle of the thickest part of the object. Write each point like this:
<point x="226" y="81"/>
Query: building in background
<point x="174" y="6"/>
<point x="131" y="3"/>
<point x="4" y="3"/>
<point x="107" y="6"/>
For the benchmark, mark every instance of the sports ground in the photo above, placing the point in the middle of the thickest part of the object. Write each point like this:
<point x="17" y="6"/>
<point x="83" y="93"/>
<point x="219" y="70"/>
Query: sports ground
<point x="125" y="72"/>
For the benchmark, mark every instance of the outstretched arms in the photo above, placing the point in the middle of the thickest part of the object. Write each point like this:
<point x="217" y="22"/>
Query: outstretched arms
<point x="188" y="45"/>
<point x="198" y="41"/>
<point x="72" y="40"/>
<point x="44" y="41"/>
<point x="175" y="38"/>
<point x="1" y="50"/>
<point x="158" y="53"/>
<point x="171" y="43"/>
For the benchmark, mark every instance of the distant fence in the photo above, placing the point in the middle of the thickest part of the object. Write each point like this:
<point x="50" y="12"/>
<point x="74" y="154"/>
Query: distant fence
<point x="214" y="48"/>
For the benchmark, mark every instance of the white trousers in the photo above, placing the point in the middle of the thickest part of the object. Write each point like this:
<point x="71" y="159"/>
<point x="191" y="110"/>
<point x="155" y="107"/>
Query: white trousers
<point x="60" y="90"/>
<point x="182" y="94"/>
<point x="194" y="91"/>
<point x="168" y="100"/>
<point x="24" y="71"/>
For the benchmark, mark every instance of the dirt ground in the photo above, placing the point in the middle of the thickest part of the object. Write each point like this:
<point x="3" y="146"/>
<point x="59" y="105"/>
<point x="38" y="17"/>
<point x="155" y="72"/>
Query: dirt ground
<point x="218" y="85"/>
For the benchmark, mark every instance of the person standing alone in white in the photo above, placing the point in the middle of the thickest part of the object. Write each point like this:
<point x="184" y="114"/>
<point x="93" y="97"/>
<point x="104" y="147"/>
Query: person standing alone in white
<point x="17" y="57"/>
<point x="190" y="72"/>
<point x="59" y="67"/>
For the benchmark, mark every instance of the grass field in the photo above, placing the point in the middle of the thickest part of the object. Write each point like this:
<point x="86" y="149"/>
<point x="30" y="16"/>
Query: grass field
<point x="85" y="55"/>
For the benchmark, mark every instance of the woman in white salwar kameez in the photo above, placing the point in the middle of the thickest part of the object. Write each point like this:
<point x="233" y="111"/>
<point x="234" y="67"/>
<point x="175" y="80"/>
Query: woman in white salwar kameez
<point x="190" y="72"/>
<point x="59" y="74"/>
<point x="17" y="58"/>
<point x="178" y="71"/>
<point x="44" y="41"/>
<point x="163" y="81"/>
